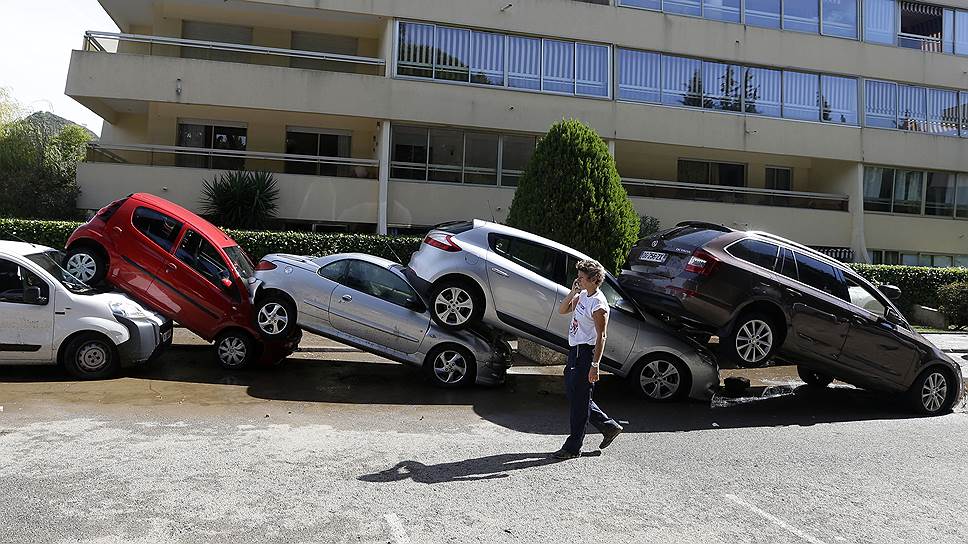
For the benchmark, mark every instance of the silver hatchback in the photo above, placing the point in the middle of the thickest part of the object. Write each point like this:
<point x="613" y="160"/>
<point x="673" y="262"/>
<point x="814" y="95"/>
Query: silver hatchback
<point x="477" y="272"/>
<point x="366" y="302"/>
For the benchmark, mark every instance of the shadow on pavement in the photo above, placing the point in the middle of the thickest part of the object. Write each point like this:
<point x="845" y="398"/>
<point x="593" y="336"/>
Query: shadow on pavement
<point x="470" y="470"/>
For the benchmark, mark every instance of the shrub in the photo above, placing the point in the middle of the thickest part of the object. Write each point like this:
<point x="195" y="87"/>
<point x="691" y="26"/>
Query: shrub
<point x="953" y="299"/>
<point x="919" y="285"/>
<point x="244" y="200"/>
<point x="571" y="192"/>
<point x="648" y="226"/>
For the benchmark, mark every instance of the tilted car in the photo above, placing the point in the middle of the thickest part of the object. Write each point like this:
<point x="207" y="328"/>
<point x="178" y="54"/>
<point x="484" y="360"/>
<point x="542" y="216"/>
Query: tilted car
<point x="47" y="316"/>
<point x="480" y="272"/>
<point x="180" y="265"/>
<point x="366" y="302"/>
<point x="764" y="295"/>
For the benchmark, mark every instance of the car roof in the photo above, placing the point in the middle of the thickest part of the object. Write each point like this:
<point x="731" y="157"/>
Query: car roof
<point x="511" y="231"/>
<point x="193" y="220"/>
<point x="800" y="248"/>
<point x="373" y="259"/>
<point x="21" y="248"/>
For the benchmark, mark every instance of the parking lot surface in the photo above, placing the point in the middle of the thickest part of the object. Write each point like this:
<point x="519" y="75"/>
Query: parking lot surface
<point x="340" y="446"/>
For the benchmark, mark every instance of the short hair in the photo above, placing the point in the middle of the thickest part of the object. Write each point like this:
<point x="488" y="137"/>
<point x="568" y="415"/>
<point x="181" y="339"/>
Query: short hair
<point x="593" y="269"/>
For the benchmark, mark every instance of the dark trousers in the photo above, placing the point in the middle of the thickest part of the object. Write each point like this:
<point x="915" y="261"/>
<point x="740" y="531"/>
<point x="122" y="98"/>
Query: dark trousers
<point x="579" y="392"/>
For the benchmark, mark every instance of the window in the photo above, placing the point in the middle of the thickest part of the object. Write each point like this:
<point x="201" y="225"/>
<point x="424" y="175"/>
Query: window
<point x="534" y="257"/>
<point x="881" y="104"/>
<point x="239" y="261"/>
<point x="921" y="26"/>
<point x="878" y="188"/>
<point x="721" y="86"/>
<point x="516" y="155"/>
<point x="159" y="228"/>
<point x="961" y="203"/>
<point x="820" y="275"/>
<point x="203" y="258"/>
<point x="317" y="143"/>
<point x="681" y="81"/>
<point x="682" y="7"/>
<point x="840" y="18"/>
<point x="693" y="172"/>
<point x="712" y="173"/>
<point x="215" y="32"/>
<point x="453" y="51"/>
<point x="788" y="265"/>
<point x="211" y="136"/>
<point x="912" y="108"/>
<point x="880" y="21"/>
<point x="721" y="10"/>
<point x="323" y="43"/>
<point x="763" y="91"/>
<point x="558" y="74"/>
<point x="446" y="155"/>
<point x="480" y="164"/>
<point x="801" y="96"/>
<point x="908" y="191"/>
<point x="415" y="50"/>
<point x="524" y="63"/>
<point x="409" y="149"/>
<point x="487" y="58"/>
<point x="639" y="76"/>
<point x="15" y="280"/>
<point x="839" y="99"/>
<point x="764" y="13"/>
<point x="801" y="15"/>
<point x="755" y="252"/>
<point x="961" y="32"/>
<point x="646" y="4"/>
<point x="939" y="196"/>
<point x="379" y="282"/>
<point x="593" y="70"/>
<point x="963" y="107"/>
<point x="942" y="112"/>
<point x="860" y="296"/>
<point x="779" y="178"/>
<point x="334" y="271"/>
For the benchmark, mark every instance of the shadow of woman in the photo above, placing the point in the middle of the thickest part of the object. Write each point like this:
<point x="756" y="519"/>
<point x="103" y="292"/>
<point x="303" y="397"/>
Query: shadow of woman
<point x="469" y="470"/>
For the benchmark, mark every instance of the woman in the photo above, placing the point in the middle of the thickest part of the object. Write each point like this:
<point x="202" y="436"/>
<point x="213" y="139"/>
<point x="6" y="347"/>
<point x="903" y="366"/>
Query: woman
<point x="586" y="338"/>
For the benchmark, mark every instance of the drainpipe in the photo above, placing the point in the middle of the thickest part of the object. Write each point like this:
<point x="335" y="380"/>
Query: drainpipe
<point x="858" y="240"/>
<point x="384" y="150"/>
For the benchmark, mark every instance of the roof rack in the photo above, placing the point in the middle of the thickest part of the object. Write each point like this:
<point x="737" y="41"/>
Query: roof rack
<point x="813" y="252"/>
<point x="705" y="224"/>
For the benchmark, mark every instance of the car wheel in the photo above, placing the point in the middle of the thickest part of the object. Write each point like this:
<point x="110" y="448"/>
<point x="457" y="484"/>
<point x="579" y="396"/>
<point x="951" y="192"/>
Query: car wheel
<point x="933" y="392"/>
<point x="813" y="378"/>
<point x="234" y="350"/>
<point x="753" y="340"/>
<point x="275" y="316"/>
<point x="86" y="264"/>
<point x="662" y="378"/>
<point x="455" y="305"/>
<point x="91" y="357"/>
<point x="450" y="366"/>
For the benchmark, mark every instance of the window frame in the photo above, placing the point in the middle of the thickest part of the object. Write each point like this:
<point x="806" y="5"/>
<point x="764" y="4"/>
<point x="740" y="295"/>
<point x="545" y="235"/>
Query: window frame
<point x="24" y="269"/>
<point x="776" y="257"/>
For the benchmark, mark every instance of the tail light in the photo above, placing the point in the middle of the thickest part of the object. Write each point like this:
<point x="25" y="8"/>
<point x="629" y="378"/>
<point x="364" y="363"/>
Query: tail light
<point x="441" y="241"/>
<point x="702" y="263"/>
<point x="265" y="265"/>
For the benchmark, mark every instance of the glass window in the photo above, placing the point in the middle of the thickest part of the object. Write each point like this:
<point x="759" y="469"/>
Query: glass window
<point x="537" y="258"/>
<point x="878" y="188"/>
<point x="323" y="43"/>
<point x="592" y="65"/>
<point x="839" y="99"/>
<point x="942" y="261"/>
<point x="912" y="108"/>
<point x="908" y="191"/>
<point x="787" y="265"/>
<point x="453" y="54"/>
<point x="721" y="86"/>
<point x="211" y="137"/>
<point x="763" y="91"/>
<point x="881" y="104"/>
<point x="559" y="67"/>
<point x="961" y="204"/>
<point x="480" y="163"/>
<point x="681" y="81"/>
<point x="240" y="261"/>
<point x="779" y="178"/>
<point x="820" y="275"/>
<point x="961" y="261"/>
<point x="961" y="32"/>
<point x="802" y="15"/>
<point x="948" y="32"/>
<point x="909" y="259"/>
<point x="721" y="10"/>
<point x="861" y="297"/>
<point x="379" y="282"/>
<point x="216" y="32"/>
<point x="764" y="13"/>
<point x="880" y="21"/>
<point x="728" y="174"/>
<point x="334" y="271"/>
<point x="15" y="280"/>
<point x="693" y="172"/>
<point x="801" y="96"/>
<point x="921" y="27"/>
<point x="160" y="228"/>
<point x="682" y="7"/>
<point x="639" y="75"/>
<point x="942" y="112"/>
<point x="939" y="196"/>
<point x="229" y="139"/>
<point x="319" y="144"/>
<point x="647" y="4"/>
<point x="756" y="252"/>
<point x="924" y="260"/>
<point x="301" y="143"/>
<point x="409" y="153"/>
<point x="963" y="118"/>
<point x="516" y="155"/>
<point x="840" y="18"/>
<point x="446" y="155"/>
<point x="487" y="58"/>
<point x="415" y="55"/>
<point x="203" y="258"/>
<point x="524" y="62"/>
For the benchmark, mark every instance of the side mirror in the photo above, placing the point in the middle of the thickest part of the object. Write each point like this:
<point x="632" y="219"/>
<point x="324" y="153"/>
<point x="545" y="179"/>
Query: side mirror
<point x="32" y="296"/>
<point x="626" y="306"/>
<point x="890" y="291"/>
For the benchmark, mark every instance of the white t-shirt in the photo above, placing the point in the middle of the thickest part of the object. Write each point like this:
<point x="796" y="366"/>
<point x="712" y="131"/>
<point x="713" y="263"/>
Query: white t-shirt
<point x="582" y="329"/>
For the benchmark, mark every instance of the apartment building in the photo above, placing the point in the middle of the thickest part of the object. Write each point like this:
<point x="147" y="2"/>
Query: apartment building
<point x="840" y="123"/>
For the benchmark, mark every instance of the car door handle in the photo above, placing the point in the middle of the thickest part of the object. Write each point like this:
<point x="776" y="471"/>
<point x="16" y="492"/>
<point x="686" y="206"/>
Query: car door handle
<point x="171" y="267"/>
<point x="347" y="298"/>
<point x="500" y="272"/>
<point x="118" y="229"/>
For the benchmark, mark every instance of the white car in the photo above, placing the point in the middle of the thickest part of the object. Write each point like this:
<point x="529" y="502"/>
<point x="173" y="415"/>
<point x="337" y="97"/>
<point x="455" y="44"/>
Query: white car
<point x="47" y="316"/>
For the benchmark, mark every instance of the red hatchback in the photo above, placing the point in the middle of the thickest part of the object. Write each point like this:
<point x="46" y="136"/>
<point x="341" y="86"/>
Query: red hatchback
<point x="182" y="266"/>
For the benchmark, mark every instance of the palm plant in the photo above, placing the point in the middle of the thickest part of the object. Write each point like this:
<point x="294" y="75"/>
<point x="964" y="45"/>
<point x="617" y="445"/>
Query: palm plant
<point x="240" y="199"/>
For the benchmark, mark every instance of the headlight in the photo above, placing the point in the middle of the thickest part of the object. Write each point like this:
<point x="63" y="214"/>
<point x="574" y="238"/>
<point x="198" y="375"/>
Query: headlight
<point x="127" y="309"/>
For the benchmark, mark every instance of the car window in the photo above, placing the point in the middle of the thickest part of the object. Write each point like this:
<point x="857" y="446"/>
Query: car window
<point x="240" y="261"/>
<point x="820" y="275"/>
<point x="755" y="251"/>
<point x="689" y="235"/>
<point x="14" y="281"/>
<point x="788" y="265"/>
<point x="571" y="271"/>
<point x="160" y="228"/>
<point x="379" y="282"/>
<point x="334" y="271"/>
<point x="202" y="257"/>
<point x="611" y="294"/>
<point x="535" y="257"/>
<point x="863" y="297"/>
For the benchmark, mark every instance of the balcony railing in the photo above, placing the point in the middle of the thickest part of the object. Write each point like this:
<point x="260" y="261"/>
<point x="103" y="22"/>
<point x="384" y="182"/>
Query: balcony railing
<point x="226" y="159"/>
<point x="923" y="43"/>
<point x="735" y="195"/>
<point x="110" y="42"/>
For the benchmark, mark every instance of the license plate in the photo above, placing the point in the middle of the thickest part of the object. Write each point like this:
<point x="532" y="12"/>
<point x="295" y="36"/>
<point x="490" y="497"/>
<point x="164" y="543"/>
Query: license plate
<point x="166" y="336"/>
<point x="652" y="257"/>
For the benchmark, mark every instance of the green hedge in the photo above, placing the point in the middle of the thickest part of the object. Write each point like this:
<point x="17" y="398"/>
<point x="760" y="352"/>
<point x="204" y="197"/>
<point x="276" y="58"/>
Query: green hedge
<point x="256" y="244"/>
<point x="918" y="284"/>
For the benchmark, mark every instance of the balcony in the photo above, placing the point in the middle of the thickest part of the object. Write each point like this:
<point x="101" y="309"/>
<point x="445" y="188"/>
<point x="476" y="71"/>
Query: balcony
<point x="735" y="195"/>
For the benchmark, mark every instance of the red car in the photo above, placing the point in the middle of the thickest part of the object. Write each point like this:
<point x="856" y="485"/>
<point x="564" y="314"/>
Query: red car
<point x="181" y="265"/>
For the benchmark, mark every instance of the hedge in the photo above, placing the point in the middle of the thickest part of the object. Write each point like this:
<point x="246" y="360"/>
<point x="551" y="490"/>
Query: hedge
<point x="918" y="284"/>
<point x="256" y="243"/>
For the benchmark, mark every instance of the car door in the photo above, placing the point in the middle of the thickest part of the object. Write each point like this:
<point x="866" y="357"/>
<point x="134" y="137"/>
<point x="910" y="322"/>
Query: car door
<point x="314" y="297"/>
<point x="144" y="245"/>
<point x="521" y="274"/>
<point x="26" y="330"/>
<point x="876" y="346"/>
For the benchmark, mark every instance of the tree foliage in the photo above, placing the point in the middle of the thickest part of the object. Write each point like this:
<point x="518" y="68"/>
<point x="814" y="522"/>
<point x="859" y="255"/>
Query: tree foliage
<point x="241" y="199"/>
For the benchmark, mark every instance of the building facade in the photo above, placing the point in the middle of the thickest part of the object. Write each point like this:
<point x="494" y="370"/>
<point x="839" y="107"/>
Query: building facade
<point x="842" y="124"/>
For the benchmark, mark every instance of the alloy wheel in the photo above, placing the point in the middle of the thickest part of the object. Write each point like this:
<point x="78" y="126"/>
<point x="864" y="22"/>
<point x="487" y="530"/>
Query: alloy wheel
<point x="273" y="318"/>
<point x="450" y="367"/>
<point x="660" y="379"/>
<point x="454" y="306"/>
<point x="232" y="351"/>
<point x="92" y="357"/>
<point x="82" y="266"/>
<point x="934" y="392"/>
<point x="754" y="341"/>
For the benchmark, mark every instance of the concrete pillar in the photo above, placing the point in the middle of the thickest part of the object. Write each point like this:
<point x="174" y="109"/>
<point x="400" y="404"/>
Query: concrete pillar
<point x="387" y="44"/>
<point x="383" y="149"/>
<point x="858" y="239"/>
<point x="611" y="148"/>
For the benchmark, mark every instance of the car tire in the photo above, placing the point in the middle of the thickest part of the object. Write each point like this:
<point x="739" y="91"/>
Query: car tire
<point x="933" y="392"/>
<point x="753" y="340"/>
<point x="455" y="305"/>
<point x="661" y="378"/>
<point x="450" y="366"/>
<point x="91" y="357"/>
<point x="235" y="350"/>
<point x="275" y="316"/>
<point x="813" y="378"/>
<point x="86" y="264"/>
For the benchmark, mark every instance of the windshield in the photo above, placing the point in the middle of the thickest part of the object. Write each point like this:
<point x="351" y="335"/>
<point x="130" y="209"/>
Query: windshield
<point x="240" y="261"/>
<point x="50" y="262"/>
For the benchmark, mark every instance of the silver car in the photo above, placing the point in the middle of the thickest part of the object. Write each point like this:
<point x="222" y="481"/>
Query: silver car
<point x="480" y="272"/>
<point x="366" y="302"/>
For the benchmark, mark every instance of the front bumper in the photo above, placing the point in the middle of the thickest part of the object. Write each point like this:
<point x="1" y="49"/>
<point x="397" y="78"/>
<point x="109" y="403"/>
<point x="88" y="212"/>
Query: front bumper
<point x="148" y="339"/>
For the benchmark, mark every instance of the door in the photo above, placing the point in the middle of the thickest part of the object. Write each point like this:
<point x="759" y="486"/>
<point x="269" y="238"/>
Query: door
<point x="876" y="347"/>
<point x="313" y="298"/>
<point x="522" y="274"/>
<point x="819" y="320"/>
<point x="26" y="330"/>
<point x="143" y="245"/>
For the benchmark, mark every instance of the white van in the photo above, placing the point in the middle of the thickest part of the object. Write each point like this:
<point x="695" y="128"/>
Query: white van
<point x="47" y="316"/>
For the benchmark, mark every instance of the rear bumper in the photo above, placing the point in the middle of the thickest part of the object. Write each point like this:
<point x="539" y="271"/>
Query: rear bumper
<point x="275" y="351"/>
<point x="666" y="297"/>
